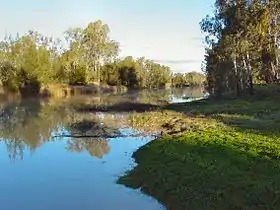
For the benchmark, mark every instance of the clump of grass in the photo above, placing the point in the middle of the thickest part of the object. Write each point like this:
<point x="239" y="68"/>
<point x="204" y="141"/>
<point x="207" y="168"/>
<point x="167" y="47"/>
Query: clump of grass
<point x="169" y="122"/>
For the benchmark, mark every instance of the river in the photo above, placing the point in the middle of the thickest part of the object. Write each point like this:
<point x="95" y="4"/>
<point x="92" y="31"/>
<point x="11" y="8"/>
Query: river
<point x="63" y="154"/>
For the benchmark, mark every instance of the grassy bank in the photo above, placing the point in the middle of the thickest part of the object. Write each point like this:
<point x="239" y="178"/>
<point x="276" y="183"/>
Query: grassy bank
<point x="214" y="154"/>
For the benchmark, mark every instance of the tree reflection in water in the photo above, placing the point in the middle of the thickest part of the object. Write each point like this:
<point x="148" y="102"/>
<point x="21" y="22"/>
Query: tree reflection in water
<point x="95" y="146"/>
<point x="15" y="149"/>
<point x="27" y="125"/>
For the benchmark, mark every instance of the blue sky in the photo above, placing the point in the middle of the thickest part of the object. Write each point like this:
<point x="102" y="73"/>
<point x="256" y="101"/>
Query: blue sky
<point x="166" y="31"/>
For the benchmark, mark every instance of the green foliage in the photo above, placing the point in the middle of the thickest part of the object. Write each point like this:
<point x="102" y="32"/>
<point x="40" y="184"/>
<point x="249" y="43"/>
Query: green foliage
<point x="78" y="76"/>
<point x="29" y="61"/>
<point x="110" y="74"/>
<point x="139" y="73"/>
<point x="178" y="80"/>
<point x="128" y="72"/>
<point x="90" y="56"/>
<point x="188" y="79"/>
<point x="28" y="84"/>
<point x="8" y="77"/>
<point x="242" y="38"/>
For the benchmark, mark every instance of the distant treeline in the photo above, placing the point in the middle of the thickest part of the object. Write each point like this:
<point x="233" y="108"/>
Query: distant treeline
<point x="188" y="79"/>
<point x="83" y="56"/>
<point x="135" y="73"/>
<point x="243" y="45"/>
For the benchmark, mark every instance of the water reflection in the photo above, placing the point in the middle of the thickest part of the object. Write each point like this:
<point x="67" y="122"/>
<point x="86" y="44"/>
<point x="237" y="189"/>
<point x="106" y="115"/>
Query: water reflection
<point x="61" y="173"/>
<point x="95" y="147"/>
<point x="28" y="124"/>
<point x="90" y="136"/>
<point x="31" y="121"/>
<point x="180" y="95"/>
<point x="15" y="149"/>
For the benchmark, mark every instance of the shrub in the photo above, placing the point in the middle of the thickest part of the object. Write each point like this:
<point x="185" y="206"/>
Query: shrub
<point x="8" y="77"/>
<point x="78" y="76"/>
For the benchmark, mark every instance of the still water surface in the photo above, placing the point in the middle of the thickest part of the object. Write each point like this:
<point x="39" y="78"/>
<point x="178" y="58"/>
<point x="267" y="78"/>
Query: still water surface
<point x="42" y="168"/>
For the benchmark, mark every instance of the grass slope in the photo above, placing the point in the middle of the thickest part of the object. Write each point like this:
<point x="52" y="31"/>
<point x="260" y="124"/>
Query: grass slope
<point x="226" y="158"/>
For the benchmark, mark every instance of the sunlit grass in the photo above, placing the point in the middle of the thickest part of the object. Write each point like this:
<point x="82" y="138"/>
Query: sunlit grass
<point x="227" y="158"/>
<point x="215" y="168"/>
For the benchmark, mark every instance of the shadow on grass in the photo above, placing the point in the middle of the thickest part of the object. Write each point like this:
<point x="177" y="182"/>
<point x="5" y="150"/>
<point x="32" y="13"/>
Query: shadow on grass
<point x="255" y="115"/>
<point x="241" y="106"/>
<point x="208" y="171"/>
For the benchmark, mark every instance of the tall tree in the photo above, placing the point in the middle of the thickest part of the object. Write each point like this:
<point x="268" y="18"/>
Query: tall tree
<point x="98" y="47"/>
<point x="243" y="36"/>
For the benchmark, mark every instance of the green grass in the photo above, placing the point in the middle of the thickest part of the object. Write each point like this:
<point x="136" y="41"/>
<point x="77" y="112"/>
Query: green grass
<point x="211" y="169"/>
<point x="228" y="158"/>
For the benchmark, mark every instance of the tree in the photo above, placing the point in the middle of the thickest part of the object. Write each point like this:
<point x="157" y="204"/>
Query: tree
<point x="188" y="79"/>
<point x="242" y="36"/>
<point x="98" y="47"/>
<point x="31" y="61"/>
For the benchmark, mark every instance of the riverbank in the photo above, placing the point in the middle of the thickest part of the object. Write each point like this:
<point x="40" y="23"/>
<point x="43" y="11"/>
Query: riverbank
<point x="65" y="91"/>
<point x="213" y="154"/>
<point x="70" y="90"/>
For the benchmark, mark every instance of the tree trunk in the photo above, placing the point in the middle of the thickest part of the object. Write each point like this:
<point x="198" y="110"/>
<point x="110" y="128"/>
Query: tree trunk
<point x="267" y="66"/>
<point x="236" y="78"/>
<point x="245" y="73"/>
<point x="275" y="38"/>
<point x="250" y="75"/>
<point x="276" y="57"/>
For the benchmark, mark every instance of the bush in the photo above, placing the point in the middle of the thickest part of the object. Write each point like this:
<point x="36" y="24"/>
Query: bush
<point x="78" y="76"/>
<point x="28" y="85"/>
<point x="8" y="77"/>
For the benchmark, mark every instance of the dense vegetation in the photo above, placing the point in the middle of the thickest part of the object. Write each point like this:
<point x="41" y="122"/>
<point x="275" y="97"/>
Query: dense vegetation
<point x="83" y="56"/>
<point x="139" y="73"/>
<point x="243" y="45"/>
<point x="188" y="79"/>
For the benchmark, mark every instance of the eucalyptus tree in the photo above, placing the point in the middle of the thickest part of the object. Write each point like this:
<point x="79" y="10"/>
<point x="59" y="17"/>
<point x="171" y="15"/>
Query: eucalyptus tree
<point x="244" y="36"/>
<point x="98" y="47"/>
